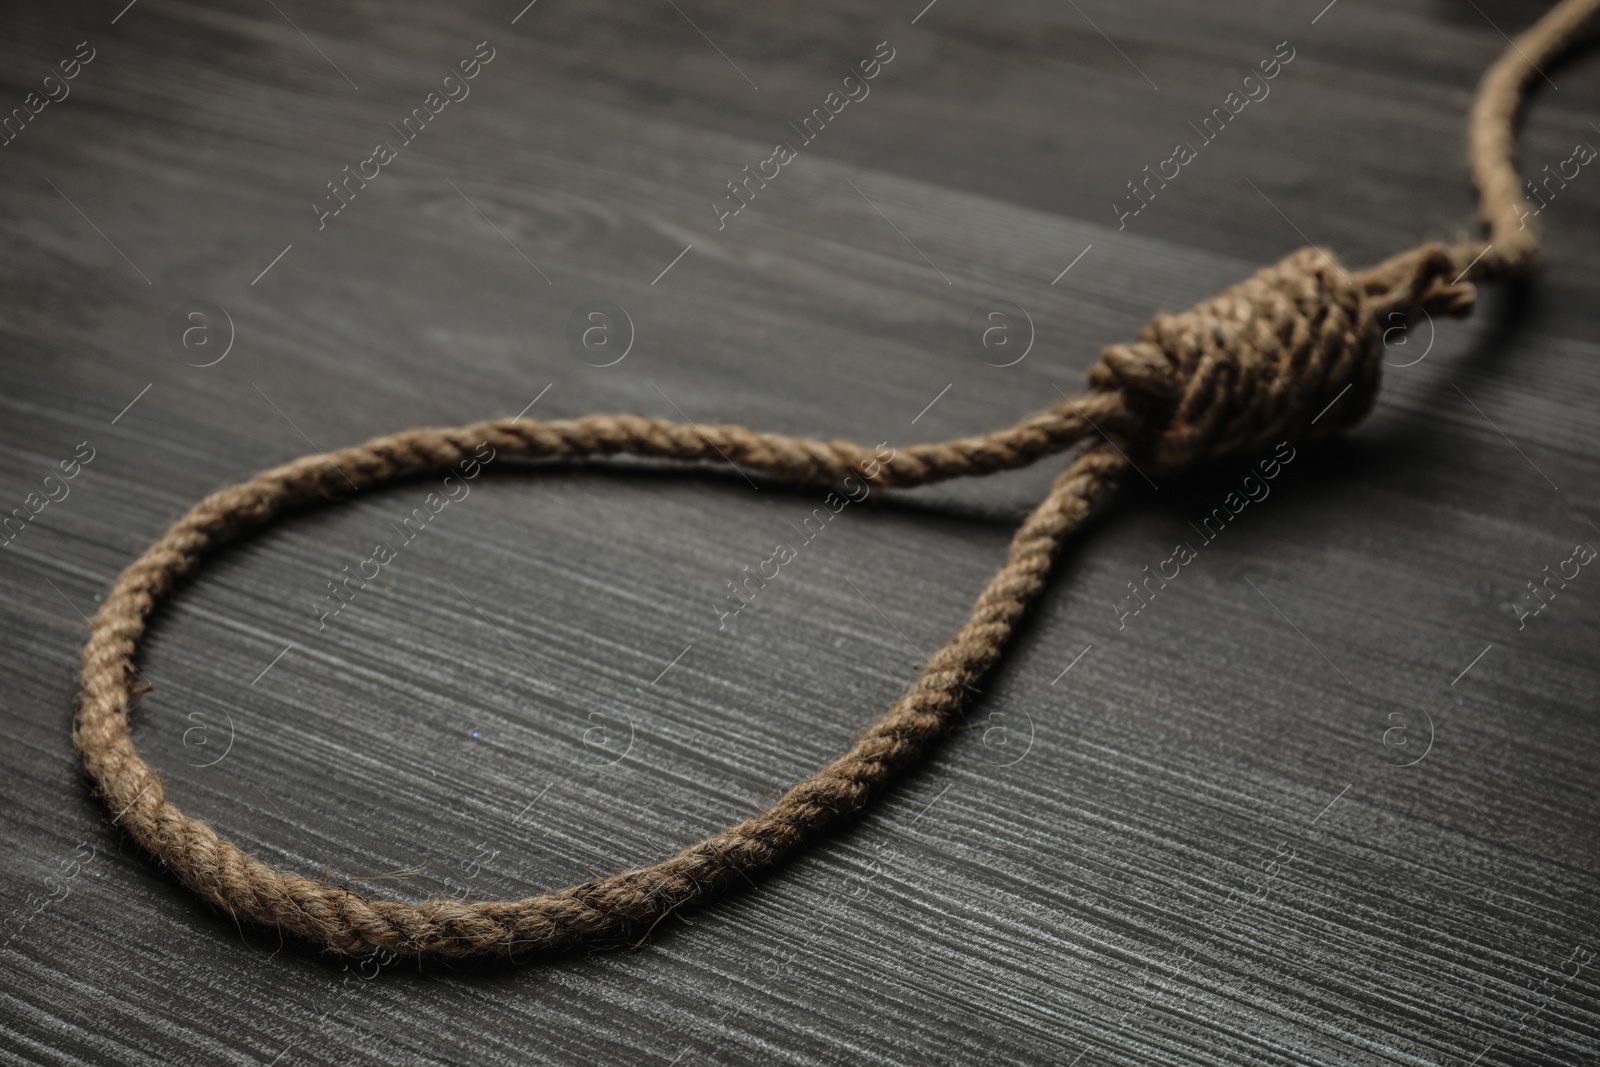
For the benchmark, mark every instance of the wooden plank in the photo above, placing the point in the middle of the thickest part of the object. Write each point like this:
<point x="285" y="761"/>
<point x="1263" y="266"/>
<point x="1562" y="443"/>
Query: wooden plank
<point x="1175" y="837"/>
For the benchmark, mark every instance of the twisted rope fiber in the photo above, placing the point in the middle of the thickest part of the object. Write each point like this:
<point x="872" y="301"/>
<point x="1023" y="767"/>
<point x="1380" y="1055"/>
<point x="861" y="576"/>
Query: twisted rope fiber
<point x="1293" y="351"/>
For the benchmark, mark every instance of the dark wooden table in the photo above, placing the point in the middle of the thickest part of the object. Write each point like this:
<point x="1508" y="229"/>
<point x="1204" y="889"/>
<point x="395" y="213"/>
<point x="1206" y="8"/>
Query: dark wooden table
<point x="1332" y="796"/>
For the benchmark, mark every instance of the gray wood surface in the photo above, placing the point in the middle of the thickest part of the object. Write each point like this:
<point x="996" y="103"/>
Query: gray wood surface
<point x="1324" y="800"/>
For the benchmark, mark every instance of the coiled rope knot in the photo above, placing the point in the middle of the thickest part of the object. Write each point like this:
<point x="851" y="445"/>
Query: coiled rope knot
<point x="1293" y="351"/>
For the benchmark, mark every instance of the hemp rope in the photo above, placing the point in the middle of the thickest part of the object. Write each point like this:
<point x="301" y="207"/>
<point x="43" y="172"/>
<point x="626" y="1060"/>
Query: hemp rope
<point x="1298" y="342"/>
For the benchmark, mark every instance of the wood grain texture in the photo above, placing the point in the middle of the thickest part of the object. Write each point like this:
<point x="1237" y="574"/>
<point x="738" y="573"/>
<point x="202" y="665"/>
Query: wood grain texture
<point x="1196" y="846"/>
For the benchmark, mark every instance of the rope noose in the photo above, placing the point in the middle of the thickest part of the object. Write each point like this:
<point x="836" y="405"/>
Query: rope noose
<point x="1293" y="351"/>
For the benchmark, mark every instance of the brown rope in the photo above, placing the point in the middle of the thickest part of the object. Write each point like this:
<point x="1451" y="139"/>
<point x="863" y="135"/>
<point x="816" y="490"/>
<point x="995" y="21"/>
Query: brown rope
<point x="1293" y="351"/>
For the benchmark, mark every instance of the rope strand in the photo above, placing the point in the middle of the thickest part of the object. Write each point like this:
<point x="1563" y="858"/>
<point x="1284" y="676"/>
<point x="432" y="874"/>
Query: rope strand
<point x="1272" y="357"/>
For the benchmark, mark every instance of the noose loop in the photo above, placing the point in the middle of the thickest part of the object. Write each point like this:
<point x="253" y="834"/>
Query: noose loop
<point x="1293" y="351"/>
